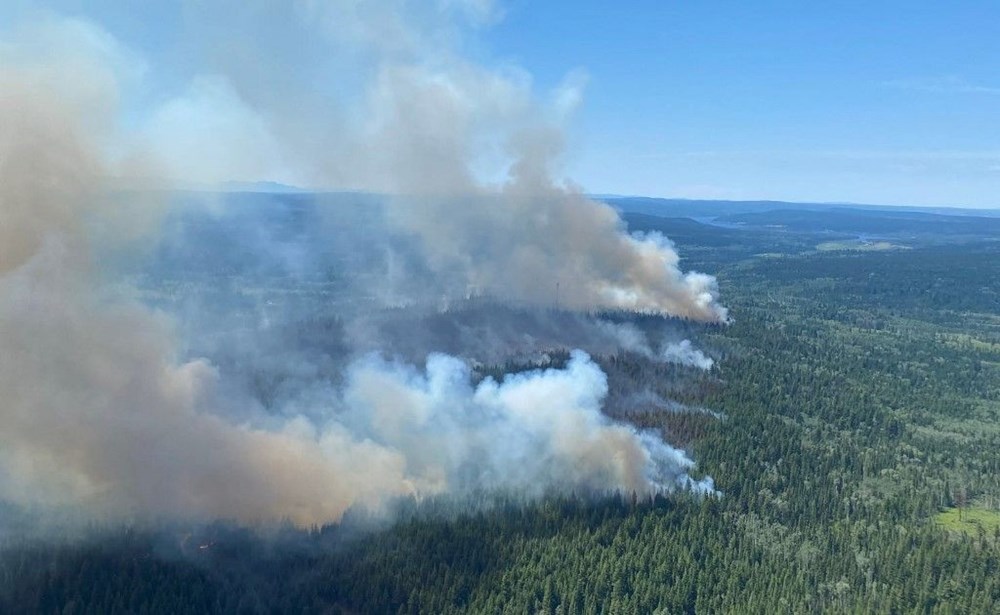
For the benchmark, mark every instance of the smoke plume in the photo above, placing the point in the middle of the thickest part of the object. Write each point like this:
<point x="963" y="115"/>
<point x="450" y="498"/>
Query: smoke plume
<point x="103" y="408"/>
<point x="685" y="353"/>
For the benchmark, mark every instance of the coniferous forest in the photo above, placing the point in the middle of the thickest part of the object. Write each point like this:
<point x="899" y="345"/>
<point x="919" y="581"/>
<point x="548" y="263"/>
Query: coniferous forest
<point x="851" y="425"/>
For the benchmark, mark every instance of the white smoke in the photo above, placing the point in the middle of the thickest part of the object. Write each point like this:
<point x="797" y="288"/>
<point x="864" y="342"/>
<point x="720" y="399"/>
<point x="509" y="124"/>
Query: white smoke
<point x="470" y="151"/>
<point x="533" y="432"/>
<point x="100" y="411"/>
<point x="647" y="399"/>
<point x="631" y="338"/>
<point x="685" y="353"/>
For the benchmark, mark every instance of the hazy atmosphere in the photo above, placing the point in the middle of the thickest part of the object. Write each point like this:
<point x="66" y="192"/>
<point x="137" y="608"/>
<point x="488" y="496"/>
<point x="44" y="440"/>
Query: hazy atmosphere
<point x="107" y="413"/>
<point x="354" y="306"/>
<point x="888" y="103"/>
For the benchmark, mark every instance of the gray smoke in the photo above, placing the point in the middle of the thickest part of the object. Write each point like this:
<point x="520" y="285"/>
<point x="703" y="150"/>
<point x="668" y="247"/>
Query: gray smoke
<point x="104" y="411"/>
<point x="490" y="333"/>
<point x="685" y="353"/>
<point x="646" y="400"/>
<point x="469" y="151"/>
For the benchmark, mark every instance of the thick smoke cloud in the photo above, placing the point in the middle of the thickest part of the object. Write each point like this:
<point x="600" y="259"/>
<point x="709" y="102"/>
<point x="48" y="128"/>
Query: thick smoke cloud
<point x="533" y="432"/>
<point x="102" y="411"/>
<point x="469" y="150"/>
<point x="96" y="410"/>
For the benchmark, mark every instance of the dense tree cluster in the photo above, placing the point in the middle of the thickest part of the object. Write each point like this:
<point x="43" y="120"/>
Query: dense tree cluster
<point x="856" y="397"/>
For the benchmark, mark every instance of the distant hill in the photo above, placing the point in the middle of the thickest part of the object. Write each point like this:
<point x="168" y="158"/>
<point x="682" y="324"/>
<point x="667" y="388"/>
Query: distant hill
<point x="687" y="208"/>
<point x="263" y="186"/>
<point x="858" y="220"/>
<point x="685" y="230"/>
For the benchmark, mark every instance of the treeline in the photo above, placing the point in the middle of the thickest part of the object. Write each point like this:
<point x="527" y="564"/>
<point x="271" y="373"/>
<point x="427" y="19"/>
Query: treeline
<point x="621" y="555"/>
<point x="837" y="425"/>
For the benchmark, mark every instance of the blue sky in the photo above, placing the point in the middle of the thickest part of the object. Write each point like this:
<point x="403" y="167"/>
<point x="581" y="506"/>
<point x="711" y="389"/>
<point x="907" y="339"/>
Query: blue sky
<point x="885" y="102"/>
<point x="892" y="102"/>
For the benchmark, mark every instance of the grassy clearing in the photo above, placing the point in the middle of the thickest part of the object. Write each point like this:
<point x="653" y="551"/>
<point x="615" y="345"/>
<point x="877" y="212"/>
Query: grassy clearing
<point x="972" y="519"/>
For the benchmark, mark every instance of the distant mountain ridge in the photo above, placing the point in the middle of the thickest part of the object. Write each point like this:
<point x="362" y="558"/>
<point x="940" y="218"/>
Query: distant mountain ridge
<point x="267" y="187"/>
<point x="716" y="208"/>
<point x="659" y="206"/>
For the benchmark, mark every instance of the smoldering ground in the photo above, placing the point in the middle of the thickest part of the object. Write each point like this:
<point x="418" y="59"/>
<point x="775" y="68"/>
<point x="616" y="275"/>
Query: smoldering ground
<point x="111" y="409"/>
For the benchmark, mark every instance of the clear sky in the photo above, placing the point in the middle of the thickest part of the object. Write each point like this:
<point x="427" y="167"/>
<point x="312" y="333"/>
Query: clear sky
<point x="894" y="102"/>
<point x="890" y="102"/>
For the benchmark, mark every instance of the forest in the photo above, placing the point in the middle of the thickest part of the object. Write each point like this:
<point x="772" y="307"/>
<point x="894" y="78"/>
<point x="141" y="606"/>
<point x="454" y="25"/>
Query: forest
<point x="851" y="424"/>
